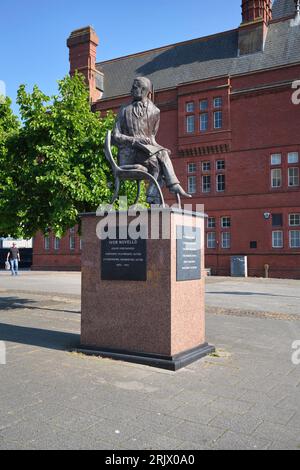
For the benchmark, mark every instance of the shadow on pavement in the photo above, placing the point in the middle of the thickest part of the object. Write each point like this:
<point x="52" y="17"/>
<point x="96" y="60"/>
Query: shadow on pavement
<point x="11" y="303"/>
<point x="14" y="303"/>
<point x="38" y="337"/>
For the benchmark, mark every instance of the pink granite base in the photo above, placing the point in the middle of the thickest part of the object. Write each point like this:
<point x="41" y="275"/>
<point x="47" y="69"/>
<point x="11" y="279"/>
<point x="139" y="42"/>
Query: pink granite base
<point x="159" y="317"/>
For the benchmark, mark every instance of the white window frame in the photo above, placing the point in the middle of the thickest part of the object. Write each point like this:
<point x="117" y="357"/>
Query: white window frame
<point x="275" y="156"/>
<point x="218" y="119"/>
<point x="190" y="124"/>
<point x="211" y="240"/>
<point x="47" y="242"/>
<point x="295" y="216"/>
<point x="203" y="168"/>
<point x="277" y="178"/>
<point x="218" y="99"/>
<point x="72" y="242"/>
<point x="222" y="165"/>
<point x="203" y="128"/>
<point x="192" y="168"/>
<point x="217" y="183"/>
<point x="227" y="219"/>
<point x="226" y="240"/>
<point x="56" y="243"/>
<point x="293" y="158"/>
<point x="190" y="107"/>
<point x="203" y="109"/>
<point x="209" y="225"/>
<point x="192" y="184"/>
<point x="295" y="177"/>
<point x="205" y="188"/>
<point x="297" y="238"/>
<point x="275" y="244"/>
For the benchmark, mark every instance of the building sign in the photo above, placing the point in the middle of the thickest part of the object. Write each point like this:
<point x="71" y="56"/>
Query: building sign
<point x="188" y="253"/>
<point x="124" y="260"/>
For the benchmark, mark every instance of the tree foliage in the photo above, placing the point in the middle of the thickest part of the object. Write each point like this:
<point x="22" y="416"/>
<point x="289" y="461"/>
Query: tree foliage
<point x="53" y="165"/>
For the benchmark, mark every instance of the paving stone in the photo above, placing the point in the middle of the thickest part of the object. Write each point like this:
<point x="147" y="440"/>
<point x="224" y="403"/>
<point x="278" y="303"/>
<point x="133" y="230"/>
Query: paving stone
<point x="234" y="441"/>
<point x="196" y="433"/>
<point x="52" y="399"/>
<point x="245" y="424"/>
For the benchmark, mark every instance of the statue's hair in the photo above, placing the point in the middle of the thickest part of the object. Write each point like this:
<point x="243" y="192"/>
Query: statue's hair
<point x="145" y="81"/>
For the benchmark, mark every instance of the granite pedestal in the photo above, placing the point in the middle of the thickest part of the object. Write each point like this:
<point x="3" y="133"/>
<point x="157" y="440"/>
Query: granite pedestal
<point x="143" y="300"/>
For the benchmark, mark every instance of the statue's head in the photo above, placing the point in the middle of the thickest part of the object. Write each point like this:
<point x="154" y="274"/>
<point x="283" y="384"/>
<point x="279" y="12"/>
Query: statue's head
<point x="141" y="88"/>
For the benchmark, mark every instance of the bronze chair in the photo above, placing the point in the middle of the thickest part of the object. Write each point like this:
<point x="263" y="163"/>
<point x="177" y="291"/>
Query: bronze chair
<point x="137" y="173"/>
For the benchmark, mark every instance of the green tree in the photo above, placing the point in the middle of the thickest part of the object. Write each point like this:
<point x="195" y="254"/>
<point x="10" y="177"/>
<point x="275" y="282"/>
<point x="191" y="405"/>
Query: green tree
<point x="9" y="130"/>
<point x="57" y="167"/>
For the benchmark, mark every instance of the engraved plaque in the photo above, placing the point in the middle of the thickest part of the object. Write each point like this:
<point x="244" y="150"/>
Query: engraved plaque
<point x="124" y="259"/>
<point x="188" y="253"/>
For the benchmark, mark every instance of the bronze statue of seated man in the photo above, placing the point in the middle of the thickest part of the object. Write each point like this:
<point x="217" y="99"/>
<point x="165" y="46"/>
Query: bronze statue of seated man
<point x="134" y="134"/>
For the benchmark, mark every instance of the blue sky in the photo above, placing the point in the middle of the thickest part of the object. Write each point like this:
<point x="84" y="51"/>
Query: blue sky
<point x="33" y="33"/>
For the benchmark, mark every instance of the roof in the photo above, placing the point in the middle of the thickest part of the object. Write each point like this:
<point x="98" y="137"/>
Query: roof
<point x="205" y="58"/>
<point x="283" y="8"/>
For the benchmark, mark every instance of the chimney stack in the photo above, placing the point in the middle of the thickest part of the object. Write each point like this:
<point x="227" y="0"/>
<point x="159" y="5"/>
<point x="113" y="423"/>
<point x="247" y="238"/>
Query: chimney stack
<point x="256" y="16"/>
<point x="82" y="45"/>
<point x="256" y="10"/>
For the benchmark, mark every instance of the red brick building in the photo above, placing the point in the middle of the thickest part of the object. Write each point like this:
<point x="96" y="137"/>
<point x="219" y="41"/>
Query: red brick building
<point x="228" y="116"/>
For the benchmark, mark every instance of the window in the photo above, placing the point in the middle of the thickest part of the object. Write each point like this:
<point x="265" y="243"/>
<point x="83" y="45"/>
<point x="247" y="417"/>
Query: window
<point x="276" y="159"/>
<point x="220" y="183"/>
<point x="220" y="165"/>
<point x="218" y="120"/>
<point x="192" y="167"/>
<point x="47" y="243"/>
<point x="72" y="242"/>
<point x="211" y="222"/>
<point x="293" y="157"/>
<point x="253" y="245"/>
<point x="294" y="220"/>
<point x="226" y="240"/>
<point x="72" y="238"/>
<point x="295" y="239"/>
<point x="225" y="222"/>
<point x="276" y="178"/>
<point x="206" y="166"/>
<point x="277" y="239"/>
<point x="206" y="183"/>
<point x="56" y="243"/>
<point x="204" y="122"/>
<point x="80" y="243"/>
<point x="293" y="176"/>
<point x="190" y="107"/>
<point x="203" y="105"/>
<point x="192" y="184"/>
<point x="190" y="124"/>
<point x="277" y="220"/>
<point x="211" y="240"/>
<point x="218" y="102"/>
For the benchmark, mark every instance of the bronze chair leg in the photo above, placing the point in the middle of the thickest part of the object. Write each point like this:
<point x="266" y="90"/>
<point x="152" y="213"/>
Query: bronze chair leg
<point x="178" y="200"/>
<point x="117" y="190"/>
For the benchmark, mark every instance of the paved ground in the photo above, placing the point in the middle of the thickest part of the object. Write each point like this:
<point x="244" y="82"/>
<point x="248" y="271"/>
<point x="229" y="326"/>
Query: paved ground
<point x="246" y="397"/>
<point x="252" y="294"/>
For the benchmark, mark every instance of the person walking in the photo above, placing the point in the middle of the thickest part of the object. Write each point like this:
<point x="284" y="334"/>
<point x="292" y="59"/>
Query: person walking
<point x="13" y="257"/>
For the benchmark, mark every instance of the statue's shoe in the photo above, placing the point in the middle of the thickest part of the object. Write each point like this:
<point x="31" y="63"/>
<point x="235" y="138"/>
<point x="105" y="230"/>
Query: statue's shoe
<point x="177" y="189"/>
